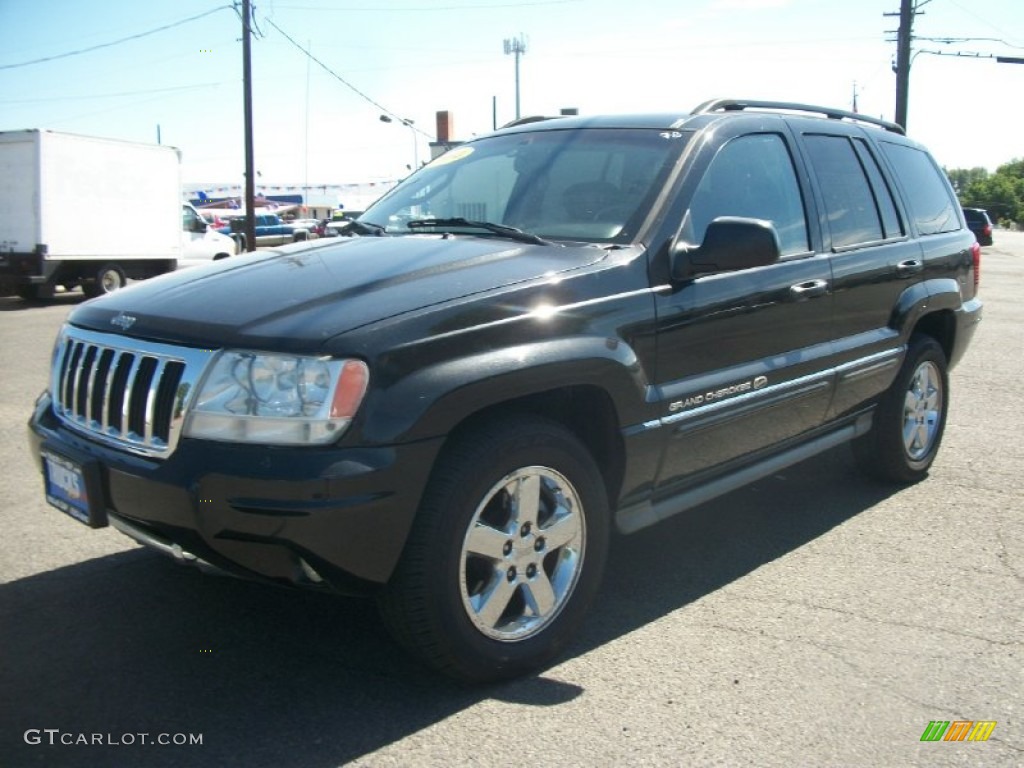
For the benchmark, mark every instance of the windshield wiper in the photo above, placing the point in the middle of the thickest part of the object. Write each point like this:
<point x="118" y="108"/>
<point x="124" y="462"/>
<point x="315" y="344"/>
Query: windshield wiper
<point x="498" y="229"/>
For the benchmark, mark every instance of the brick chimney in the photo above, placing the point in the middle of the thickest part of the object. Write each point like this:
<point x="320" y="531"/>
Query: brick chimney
<point x="445" y="134"/>
<point x="445" y="126"/>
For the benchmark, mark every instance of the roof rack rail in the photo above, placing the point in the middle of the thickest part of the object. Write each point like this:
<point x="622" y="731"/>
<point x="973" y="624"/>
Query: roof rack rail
<point x="530" y="119"/>
<point x="736" y="105"/>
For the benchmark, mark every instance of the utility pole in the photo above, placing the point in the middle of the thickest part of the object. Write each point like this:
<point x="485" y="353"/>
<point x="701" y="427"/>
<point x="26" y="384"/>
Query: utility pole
<point x="903" y="38"/>
<point x="250" y="174"/>
<point x="904" y="54"/>
<point x="517" y="46"/>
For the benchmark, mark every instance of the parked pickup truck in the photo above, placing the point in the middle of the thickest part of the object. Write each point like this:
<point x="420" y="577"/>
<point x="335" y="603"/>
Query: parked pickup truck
<point x="271" y="230"/>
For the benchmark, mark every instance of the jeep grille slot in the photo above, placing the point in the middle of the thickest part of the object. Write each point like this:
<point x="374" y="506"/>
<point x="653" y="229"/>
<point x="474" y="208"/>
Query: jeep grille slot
<point x="133" y="398"/>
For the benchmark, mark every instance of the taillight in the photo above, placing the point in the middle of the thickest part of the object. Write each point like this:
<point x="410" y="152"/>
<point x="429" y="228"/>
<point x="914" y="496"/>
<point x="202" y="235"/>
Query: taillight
<point x="976" y="262"/>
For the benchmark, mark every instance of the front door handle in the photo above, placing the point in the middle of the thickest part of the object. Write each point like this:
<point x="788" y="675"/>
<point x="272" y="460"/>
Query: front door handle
<point x="909" y="267"/>
<point x="809" y="290"/>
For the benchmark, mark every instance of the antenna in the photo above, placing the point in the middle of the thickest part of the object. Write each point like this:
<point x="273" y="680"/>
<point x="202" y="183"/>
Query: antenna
<point x="517" y="46"/>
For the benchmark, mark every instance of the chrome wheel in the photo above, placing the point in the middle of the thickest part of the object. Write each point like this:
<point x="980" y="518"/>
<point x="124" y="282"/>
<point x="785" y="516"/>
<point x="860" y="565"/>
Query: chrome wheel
<point x="922" y="411"/>
<point x="522" y="554"/>
<point x="506" y="551"/>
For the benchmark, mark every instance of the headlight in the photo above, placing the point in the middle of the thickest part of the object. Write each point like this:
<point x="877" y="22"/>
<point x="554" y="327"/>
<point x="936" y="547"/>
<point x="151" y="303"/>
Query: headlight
<point x="249" y="397"/>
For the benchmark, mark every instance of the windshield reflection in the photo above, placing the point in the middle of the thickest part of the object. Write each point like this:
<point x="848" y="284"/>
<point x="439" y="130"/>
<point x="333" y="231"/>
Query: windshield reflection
<point x="593" y="185"/>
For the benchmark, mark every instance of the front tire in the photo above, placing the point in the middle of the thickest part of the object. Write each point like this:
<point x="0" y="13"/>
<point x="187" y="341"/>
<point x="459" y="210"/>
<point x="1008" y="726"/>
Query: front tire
<point x="910" y="419"/>
<point x="505" y="555"/>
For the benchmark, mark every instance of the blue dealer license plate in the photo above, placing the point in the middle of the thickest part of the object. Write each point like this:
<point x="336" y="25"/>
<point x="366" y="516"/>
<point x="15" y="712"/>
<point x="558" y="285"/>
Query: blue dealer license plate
<point x="69" y="487"/>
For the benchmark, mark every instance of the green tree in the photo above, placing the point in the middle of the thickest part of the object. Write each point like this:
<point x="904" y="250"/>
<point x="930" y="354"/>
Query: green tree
<point x="1001" y="193"/>
<point x="962" y="178"/>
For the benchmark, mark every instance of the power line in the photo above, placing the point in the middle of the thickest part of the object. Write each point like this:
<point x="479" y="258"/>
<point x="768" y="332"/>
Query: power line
<point x="951" y="40"/>
<point x="345" y="82"/>
<point x="91" y="96"/>
<point x="473" y="6"/>
<point x="986" y="22"/>
<point x="114" y="42"/>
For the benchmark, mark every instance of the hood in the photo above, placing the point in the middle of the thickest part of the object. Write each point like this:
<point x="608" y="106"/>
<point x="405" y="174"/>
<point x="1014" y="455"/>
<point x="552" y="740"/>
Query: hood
<point x="304" y="296"/>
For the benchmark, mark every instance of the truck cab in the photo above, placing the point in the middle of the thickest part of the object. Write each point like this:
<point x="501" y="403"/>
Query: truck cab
<point x="201" y="243"/>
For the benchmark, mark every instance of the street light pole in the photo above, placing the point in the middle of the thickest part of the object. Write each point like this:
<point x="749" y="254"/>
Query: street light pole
<point x="250" y="181"/>
<point x="415" y="144"/>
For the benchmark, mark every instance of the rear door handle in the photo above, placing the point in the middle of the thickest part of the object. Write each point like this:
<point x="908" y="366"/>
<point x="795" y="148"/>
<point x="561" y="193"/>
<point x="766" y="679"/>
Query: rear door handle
<point x="809" y="290"/>
<point x="909" y="267"/>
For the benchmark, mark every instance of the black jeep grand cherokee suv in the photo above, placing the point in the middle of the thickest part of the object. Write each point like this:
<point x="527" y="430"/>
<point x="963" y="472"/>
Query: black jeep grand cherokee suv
<point x="569" y="325"/>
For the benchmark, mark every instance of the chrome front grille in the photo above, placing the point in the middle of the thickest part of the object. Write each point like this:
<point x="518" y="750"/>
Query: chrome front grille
<point x="125" y="392"/>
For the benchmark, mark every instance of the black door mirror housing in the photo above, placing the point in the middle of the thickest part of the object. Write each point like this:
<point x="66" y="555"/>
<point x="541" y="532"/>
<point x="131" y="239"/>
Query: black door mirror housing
<point x="730" y="243"/>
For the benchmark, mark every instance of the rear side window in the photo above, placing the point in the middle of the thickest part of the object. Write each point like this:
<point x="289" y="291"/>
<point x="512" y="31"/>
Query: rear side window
<point x="931" y="204"/>
<point x="850" y="203"/>
<point x="974" y="216"/>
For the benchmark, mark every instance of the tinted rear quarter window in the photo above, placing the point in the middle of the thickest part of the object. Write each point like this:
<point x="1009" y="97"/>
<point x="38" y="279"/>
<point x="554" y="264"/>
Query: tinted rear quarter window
<point x="883" y="193"/>
<point x="931" y="203"/>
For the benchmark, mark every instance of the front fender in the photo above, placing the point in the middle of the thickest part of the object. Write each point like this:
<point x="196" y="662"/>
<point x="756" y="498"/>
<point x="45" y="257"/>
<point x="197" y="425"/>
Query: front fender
<point x="431" y="400"/>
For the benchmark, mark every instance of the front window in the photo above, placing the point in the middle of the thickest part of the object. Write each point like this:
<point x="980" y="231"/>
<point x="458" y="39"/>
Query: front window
<point x="752" y="177"/>
<point x="586" y="184"/>
<point x="190" y="221"/>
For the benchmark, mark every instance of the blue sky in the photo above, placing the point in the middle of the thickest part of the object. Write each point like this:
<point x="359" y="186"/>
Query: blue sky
<point x="413" y="58"/>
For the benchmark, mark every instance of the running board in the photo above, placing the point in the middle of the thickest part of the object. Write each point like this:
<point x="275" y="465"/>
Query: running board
<point x="638" y="516"/>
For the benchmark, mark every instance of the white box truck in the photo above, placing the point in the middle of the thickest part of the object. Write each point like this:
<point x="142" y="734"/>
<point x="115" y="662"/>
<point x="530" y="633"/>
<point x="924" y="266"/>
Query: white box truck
<point x="80" y="210"/>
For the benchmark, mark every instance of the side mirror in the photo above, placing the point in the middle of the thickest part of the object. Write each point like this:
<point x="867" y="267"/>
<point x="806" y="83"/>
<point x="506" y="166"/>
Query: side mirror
<point x="199" y="226"/>
<point x="730" y="243"/>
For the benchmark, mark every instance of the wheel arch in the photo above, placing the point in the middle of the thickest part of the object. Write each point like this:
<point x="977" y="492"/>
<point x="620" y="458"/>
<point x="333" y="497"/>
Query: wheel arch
<point x="929" y="308"/>
<point x="590" y="385"/>
<point x="941" y="326"/>
<point x="586" y="411"/>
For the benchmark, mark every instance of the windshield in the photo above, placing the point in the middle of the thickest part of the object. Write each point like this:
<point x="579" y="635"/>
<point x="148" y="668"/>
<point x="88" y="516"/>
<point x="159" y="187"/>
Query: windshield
<point x="594" y="185"/>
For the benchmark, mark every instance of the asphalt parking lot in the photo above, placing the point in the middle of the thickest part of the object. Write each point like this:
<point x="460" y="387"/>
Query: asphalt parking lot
<point x="812" y="619"/>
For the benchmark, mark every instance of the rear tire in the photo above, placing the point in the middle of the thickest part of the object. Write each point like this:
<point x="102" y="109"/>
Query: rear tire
<point x="109" y="278"/>
<point x="910" y="419"/>
<point x="505" y="555"/>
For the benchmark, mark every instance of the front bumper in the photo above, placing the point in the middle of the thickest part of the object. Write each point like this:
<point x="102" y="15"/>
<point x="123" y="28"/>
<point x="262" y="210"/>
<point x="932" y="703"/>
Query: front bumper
<point x="327" y="516"/>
